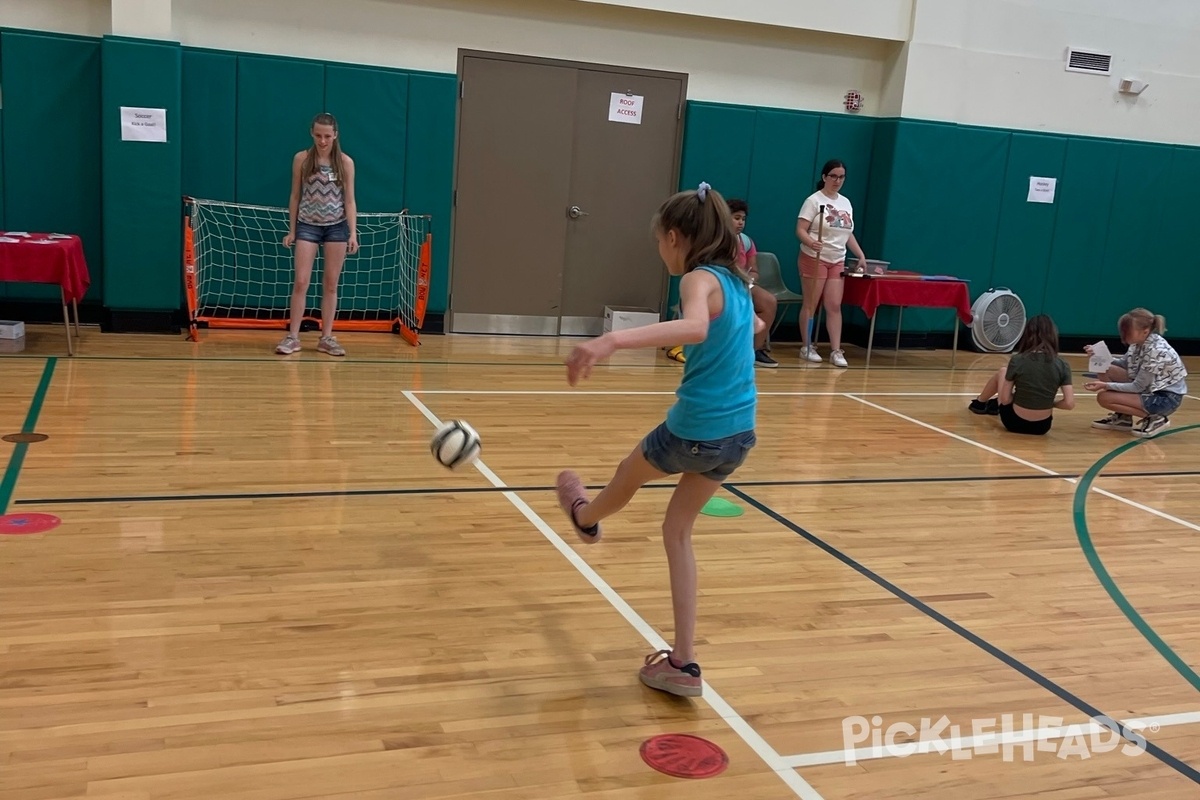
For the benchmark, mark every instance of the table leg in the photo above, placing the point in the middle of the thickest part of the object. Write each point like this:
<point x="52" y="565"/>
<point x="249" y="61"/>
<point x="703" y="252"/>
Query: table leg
<point x="67" y="323"/>
<point x="871" y="337"/>
<point x="899" y="325"/>
<point x="954" y="352"/>
<point x="75" y="308"/>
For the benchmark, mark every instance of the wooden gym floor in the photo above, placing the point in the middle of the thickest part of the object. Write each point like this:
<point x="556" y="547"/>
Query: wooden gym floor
<point x="263" y="588"/>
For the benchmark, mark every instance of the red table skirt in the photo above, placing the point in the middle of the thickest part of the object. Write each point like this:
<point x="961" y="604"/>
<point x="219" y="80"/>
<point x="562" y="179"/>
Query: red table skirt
<point x="910" y="292"/>
<point x="45" y="258"/>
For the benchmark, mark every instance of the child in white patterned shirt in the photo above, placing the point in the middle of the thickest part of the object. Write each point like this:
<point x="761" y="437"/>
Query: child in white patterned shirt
<point x="1149" y="381"/>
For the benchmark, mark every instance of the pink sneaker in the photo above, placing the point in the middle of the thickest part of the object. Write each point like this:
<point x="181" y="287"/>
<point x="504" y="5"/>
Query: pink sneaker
<point x="661" y="673"/>
<point x="572" y="497"/>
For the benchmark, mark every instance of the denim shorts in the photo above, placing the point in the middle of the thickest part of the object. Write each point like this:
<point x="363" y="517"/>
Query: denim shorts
<point x="1161" y="403"/>
<point x="337" y="232"/>
<point x="717" y="460"/>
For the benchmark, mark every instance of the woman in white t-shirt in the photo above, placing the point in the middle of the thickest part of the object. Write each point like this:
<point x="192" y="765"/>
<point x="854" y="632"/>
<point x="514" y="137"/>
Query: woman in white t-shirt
<point x="826" y="231"/>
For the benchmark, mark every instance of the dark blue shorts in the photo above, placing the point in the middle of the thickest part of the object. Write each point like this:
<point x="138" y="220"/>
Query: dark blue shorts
<point x="1161" y="403"/>
<point x="717" y="460"/>
<point x="337" y="232"/>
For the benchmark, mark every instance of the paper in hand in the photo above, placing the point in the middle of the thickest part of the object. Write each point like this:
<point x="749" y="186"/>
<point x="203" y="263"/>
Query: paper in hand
<point x="1101" y="359"/>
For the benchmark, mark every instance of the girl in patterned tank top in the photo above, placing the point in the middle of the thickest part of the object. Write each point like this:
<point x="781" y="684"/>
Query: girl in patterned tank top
<point x="321" y="213"/>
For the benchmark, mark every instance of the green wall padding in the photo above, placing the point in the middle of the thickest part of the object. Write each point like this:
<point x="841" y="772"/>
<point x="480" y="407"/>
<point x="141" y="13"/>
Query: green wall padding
<point x="51" y="141"/>
<point x="976" y="184"/>
<point x="142" y="180"/>
<point x="879" y="188"/>
<point x="1172" y="219"/>
<point x="3" y="286"/>
<point x="781" y="176"/>
<point x="850" y="140"/>
<point x="718" y="149"/>
<point x="718" y="143"/>
<point x="371" y="107"/>
<point x="209" y="113"/>
<point x="2" y="225"/>
<point x="429" y="171"/>
<point x="942" y="202"/>
<point x="277" y="99"/>
<point x="1134" y="249"/>
<point x="1026" y="234"/>
<point x="1084" y="198"/>
<point x="771" y="158"/>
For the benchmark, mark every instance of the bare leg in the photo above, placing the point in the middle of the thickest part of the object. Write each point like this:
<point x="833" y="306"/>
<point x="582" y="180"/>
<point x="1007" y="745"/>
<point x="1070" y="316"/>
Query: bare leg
<point x="632" y="474"/>
<point x="765" y="305"/>
<point x="812" y="289"/>
<point x="688" y="498"/>
<point x="834" y="288"/>
<point x="335" y="257"/>
<point x="992" y="387"/>
<point x="306" y="254"/>
<point x="1122" y="402"/>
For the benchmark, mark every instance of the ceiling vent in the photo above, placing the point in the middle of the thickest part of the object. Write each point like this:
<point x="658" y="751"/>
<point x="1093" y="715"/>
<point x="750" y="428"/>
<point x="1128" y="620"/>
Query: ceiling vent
<point x="1088" y="61"/>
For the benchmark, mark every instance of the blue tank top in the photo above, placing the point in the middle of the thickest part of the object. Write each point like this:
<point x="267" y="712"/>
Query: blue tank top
<point x="717" y="397"/>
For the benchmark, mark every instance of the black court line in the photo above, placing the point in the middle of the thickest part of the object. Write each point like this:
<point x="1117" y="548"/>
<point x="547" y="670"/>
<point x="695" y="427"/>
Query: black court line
<point x="436" y="490"/>
<point x="1095" y="714"/>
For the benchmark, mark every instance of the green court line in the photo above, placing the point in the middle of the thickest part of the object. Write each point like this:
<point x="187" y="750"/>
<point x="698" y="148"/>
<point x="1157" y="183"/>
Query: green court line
<point x="9" y="482"/>
<point x="1082" y="490"/>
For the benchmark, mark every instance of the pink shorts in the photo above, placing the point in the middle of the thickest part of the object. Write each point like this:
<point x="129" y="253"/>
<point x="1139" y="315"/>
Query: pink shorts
<point x="815" y="268"/>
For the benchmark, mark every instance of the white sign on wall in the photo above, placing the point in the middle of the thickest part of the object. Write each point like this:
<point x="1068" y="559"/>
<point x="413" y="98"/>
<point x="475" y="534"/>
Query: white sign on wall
<point x="625" y="108"/>
<point x="143" y="124"/>
<point x="1041" y="190"/>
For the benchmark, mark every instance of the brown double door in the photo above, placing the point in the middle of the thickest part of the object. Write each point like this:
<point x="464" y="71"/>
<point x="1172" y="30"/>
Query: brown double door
<point x="553" y="199"/>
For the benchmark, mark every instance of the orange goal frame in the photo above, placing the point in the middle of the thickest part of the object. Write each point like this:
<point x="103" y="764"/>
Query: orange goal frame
<point x="396" y="325"/>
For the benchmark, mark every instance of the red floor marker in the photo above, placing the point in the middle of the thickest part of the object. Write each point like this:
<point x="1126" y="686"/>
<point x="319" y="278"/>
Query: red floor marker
<point x="19" y="524"/>
<point x="684" y="756"/>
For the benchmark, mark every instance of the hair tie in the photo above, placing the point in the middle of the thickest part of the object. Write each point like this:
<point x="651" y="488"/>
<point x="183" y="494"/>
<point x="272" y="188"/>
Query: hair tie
<point x="702" y="192"/>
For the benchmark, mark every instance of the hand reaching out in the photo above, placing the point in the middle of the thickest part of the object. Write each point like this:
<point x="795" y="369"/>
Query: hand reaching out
<point x="585" y="356"/>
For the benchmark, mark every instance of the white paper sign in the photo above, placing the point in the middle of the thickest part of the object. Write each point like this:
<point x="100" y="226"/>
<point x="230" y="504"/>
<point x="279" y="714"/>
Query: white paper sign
<point x="1101" y="359"/>
<point x="625" y="108"/>
<point x="1041" y="190"/>
<point x="143" y="124"/>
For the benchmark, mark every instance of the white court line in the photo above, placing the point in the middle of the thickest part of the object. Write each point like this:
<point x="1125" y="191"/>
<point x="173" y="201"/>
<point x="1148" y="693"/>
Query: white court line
<point x="751" y="737"/>
<point x="635" y="393"/>
<point x="986" y="742"/>
<point x="1030" y="464"/>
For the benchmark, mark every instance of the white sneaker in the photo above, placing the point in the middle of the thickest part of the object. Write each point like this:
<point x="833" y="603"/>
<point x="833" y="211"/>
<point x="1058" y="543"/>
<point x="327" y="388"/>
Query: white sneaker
<point x="810" y="354"/>
<point x="838" y="358"/>
<point x="289" y="345"/>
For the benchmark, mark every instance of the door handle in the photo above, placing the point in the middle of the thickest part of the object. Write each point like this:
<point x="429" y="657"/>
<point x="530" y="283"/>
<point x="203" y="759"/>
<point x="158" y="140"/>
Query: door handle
<point x="575" y="212"/>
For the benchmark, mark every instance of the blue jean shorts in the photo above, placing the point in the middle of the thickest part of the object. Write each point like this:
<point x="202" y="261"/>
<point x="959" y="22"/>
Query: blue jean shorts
<point x="716" y="460"/>
<point x="1161" y="403"/>
<point x="337" y="232"/>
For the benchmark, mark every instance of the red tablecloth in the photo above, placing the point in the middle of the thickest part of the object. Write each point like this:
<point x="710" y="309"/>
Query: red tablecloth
<point x="45" y="258"/>
<point x="911" y="292"/>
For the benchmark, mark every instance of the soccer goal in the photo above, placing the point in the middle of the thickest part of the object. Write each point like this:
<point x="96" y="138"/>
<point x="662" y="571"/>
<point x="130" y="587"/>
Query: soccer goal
<point x="238" y="274"/>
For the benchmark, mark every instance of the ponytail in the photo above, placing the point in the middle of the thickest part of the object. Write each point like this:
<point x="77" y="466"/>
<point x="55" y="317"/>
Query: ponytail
<point x="702" y="217"/>
<point x="1143" y="320"/>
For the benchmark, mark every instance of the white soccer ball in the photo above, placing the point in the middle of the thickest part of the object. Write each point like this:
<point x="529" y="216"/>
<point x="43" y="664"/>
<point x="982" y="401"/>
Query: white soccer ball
<point x="455" y="444"/>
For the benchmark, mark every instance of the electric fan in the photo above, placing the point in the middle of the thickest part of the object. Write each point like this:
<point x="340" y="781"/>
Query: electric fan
<point x="999" y="321"/>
